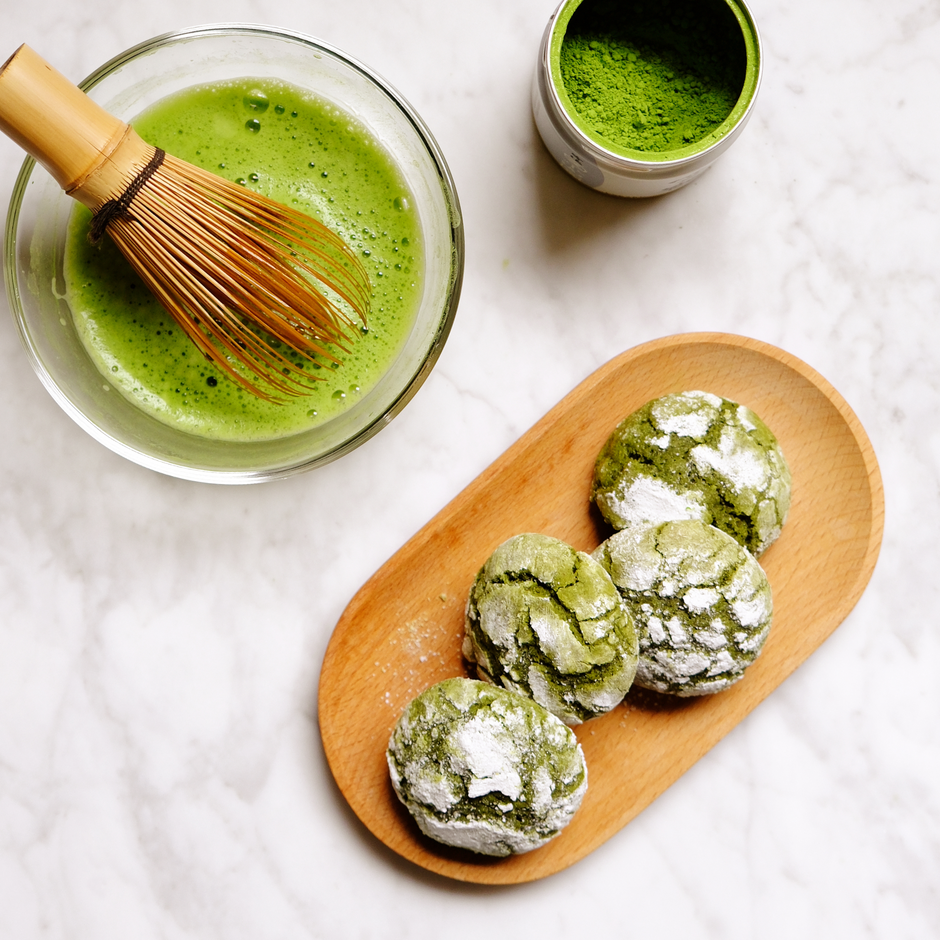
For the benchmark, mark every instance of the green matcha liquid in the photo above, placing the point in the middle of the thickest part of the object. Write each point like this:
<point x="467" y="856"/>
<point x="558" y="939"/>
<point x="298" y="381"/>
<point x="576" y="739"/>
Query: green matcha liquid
<point x="303" y="152"/>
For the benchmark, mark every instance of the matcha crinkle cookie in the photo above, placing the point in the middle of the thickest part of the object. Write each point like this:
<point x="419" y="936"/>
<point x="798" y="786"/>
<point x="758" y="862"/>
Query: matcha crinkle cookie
<point x="694" y="455"/>
<point x="485" y="769"/>
<point x="546" y="620"/>
<point x="701" y="603"/>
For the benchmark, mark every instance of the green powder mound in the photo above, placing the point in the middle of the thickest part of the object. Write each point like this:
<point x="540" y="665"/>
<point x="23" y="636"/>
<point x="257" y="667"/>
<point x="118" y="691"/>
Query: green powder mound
<point x="485" y="769"/>
<point x="650" y="76"/>
<point x="546" y="620"/>
<point x="701" y="603"/>
<point x="694" y="455"/>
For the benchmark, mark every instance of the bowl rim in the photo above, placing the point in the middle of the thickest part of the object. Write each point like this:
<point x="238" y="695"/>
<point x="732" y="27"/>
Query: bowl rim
<point x="391" y="409"/>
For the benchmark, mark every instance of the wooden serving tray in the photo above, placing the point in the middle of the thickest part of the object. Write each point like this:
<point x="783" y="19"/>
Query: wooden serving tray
<point x="402" y="632"/>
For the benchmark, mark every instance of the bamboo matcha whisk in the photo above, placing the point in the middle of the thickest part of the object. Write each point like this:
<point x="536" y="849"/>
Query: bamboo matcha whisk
<point x="246" y="278"/>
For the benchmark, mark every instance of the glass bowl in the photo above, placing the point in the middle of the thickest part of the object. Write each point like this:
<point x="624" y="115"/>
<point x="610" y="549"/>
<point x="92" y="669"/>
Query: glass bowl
<point x="39" y="214"/>
<point x="596" y="163"/>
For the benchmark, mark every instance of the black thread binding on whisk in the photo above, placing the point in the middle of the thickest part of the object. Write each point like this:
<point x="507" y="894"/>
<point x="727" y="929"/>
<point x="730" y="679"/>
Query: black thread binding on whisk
<point x="118" y="208"/>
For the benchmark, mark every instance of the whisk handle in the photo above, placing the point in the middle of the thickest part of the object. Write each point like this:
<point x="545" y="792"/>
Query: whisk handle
<point x="55" y="121"/>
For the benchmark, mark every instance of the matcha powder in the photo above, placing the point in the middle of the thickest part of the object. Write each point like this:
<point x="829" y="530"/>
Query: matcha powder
<point x="652" y="76"/>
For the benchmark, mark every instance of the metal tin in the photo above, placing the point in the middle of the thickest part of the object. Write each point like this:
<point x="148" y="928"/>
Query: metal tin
<point x="640" y="174"/>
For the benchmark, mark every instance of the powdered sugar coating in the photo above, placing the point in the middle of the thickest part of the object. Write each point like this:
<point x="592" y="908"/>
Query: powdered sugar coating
<point x="701" y="603"/>
<point x="546" y="620"/>
<point x="693" y="455"/>
<point x="485" y="769"/>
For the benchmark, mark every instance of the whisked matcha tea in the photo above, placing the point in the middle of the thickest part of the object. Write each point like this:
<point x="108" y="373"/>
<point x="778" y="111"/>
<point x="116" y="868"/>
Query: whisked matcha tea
<point x="306" y="153"/>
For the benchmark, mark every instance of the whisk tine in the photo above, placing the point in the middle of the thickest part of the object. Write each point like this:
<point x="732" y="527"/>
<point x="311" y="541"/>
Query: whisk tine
<point x="259" y="263"/>
<point x="203" y="290"/>
<point x="278" y="224"/>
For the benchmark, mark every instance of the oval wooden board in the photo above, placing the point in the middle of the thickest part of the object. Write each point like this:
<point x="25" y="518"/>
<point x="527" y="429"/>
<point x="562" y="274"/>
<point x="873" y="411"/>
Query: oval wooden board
<point x="402" y="632"/>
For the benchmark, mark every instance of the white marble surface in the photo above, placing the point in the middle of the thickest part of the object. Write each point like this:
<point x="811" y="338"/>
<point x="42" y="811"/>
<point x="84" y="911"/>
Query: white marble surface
<point x="161" y="774"/>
